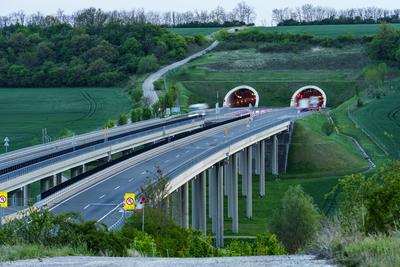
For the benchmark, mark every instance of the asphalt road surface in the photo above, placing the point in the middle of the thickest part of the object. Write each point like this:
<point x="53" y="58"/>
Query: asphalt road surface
<point x="148" y="86"/>
<point x="281" y="261"/>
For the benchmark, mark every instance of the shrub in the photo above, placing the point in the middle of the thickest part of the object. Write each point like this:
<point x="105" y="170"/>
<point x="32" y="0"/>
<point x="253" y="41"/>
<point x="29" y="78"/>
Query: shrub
<point x="147" y="114"/>
<point x="159" y="84"/>
<point x="147" y="64"/>
<point x="267" y="244"/>
<point x="327" y="128"/>
<point x="123" y="119"/>
<point x="109" y="124"/>
<point x="136" y="114"/>
<point x="145" y="244"/>
<point x="297" y="219"/>
<point x="239" y="248"/>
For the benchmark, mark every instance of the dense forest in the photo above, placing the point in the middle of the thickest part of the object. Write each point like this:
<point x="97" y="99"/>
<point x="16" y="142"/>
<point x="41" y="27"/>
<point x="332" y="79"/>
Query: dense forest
<point x="317" y="15"/>
<point x="92" y="51"/>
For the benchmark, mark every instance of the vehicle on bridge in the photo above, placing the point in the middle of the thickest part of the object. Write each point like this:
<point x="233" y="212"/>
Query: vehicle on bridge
<point x="309" y="98"/>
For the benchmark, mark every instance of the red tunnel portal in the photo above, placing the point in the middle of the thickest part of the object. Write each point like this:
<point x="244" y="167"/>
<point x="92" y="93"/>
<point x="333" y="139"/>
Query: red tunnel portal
<point x="241" y="98"/>
<point x="309" y="99"/>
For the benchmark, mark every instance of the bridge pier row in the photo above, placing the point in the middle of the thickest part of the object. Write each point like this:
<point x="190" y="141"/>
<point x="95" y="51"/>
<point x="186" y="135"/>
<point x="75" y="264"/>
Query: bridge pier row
<point x="234" y="194"/>
<point x="184" y="205"/>
<point x="78" y="170"/>
<point x="214" y="198"/>
<point x="274" y="156"/>
<point x="249" y="178"/>
<point x="262" y="168"/>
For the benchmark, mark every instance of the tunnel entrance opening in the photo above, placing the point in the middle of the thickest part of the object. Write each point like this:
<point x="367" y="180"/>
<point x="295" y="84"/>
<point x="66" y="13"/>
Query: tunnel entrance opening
<point x="241" y="96"/>
<point x="309" y="98"/>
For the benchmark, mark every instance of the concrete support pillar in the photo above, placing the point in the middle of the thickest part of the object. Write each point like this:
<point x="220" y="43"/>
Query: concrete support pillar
<point x="185" y="205"/>
<point x="25" y="191"/>
<point x="225" y="179"/>
<point x="203" y="203"/>
<point x="249" y="174"/>
<point x="274" y="156"/>
<point x="214" y="183"/>
<point x="109" y="157"/>
<point x="46" y="184"/>
<point x="234" y="194"/>
<point x="245" y="171"/>
<point x="195" y="210"/>
<point x="210" y="177"/>
<point x="262" y="168"/>
<point x="241" y="162"/>
<point x="257" y="158"/>
<point x="220" y="208"/>
<point x="228" y="184"/>
<point x="84" y="168"/>
<point x="177" y="207"/>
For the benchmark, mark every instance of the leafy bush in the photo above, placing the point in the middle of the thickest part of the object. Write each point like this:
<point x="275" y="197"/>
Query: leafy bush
<point x="327" y="128"/>
<point x="136" y="114"/>
<point x="159" y="85"/>
<point x="109" y="124"/>
<point x="123" y="119"/>
<point x="147" y="64"/>
<point x="239" y="248"/>
<point x="268" y="245"/>
<point x="297" y="220"/>
<point x="145" y="244"/>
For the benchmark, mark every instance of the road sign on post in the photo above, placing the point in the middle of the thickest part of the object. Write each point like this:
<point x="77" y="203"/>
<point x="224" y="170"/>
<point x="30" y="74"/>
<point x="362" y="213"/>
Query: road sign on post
<point x="6" y="143"/>
<point x="129" y="201"/>
<point x="3" y="200"/>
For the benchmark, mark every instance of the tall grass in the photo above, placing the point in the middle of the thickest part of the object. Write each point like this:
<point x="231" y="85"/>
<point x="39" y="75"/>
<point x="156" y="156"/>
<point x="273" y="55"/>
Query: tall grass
<point x="20" y="252"/>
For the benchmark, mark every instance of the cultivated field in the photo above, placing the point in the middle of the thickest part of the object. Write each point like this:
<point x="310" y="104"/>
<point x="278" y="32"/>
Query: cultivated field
<point x="193" y="31"/>
<point x="382" y="120"/>
<point x="24" y="112"/>
<point x="328" y="30"/>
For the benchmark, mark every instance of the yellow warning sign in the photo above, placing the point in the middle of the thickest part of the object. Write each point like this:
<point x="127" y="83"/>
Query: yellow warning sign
<point x="129" y="201"/>
<point x="3" y="200"/>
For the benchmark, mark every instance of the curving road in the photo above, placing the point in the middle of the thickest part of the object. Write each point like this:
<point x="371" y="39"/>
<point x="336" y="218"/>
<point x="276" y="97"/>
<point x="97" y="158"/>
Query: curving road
<point x="148" y="86"/>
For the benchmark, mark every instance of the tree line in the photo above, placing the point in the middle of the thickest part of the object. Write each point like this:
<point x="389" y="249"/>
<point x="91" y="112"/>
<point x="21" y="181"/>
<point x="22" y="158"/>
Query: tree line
<point x="318" y="15"/>
<point x="92" y="17"/>
<point x="87" y="52"/>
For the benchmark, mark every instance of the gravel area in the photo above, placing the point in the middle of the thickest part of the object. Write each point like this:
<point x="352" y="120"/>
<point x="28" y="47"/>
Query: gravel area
<point x="285" y="261"/>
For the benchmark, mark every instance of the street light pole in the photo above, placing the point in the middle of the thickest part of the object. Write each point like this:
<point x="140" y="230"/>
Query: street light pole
<point x="6" y="143"/>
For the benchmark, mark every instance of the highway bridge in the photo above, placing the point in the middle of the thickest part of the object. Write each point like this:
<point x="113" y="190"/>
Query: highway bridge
<point x="206" y="153"/>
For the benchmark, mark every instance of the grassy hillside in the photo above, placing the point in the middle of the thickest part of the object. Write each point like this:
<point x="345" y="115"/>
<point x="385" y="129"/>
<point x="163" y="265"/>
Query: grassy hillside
<point x="313" y="153"/>
<point x="276" y="76"/>
<point x="193" y="31"/>
<point x="382" y="120"/>
<point x="24" y="112"/>
<point x="328" y="30"/>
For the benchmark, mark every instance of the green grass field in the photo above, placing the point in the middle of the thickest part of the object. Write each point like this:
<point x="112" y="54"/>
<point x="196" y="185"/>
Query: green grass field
<point x="24" y="112"/>
<point x="328" y="30"/>
<point x="263" y="208"/>
<point x="346" y="126"/>
<point x="276" y="76"/>
<point x="382" y="120"/>
<point x="314" y="154"/>
<point x="193" y="31"/>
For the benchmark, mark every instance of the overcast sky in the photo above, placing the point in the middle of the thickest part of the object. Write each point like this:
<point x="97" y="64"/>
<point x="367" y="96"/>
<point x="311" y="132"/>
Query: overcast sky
<point x="263" y="7"/>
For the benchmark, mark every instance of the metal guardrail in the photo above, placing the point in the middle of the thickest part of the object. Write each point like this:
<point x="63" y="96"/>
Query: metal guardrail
<point x="36" y="166"/>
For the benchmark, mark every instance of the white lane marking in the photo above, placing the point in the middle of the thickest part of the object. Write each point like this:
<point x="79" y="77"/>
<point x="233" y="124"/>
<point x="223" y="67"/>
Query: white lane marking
<point x="177" y="156"/>
<point x="87" y="206"/>
<point x="108" y="213"/>
<point x="143" y="172"/>
<point x="117" y="187"/>
<point x="187" y="151"/>
<point x="130" y="180"/>
<point x="102" y="196"/>
<point x="166" y="161"/>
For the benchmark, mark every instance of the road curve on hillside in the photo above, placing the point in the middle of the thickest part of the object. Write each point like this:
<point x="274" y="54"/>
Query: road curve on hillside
<point x="148" y="87"/>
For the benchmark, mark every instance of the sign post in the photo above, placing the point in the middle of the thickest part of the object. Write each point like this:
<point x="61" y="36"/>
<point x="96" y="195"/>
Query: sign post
<point x="6" y="143"/>
<point x="3" y="204"/>
<point x="129" y="201"/>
